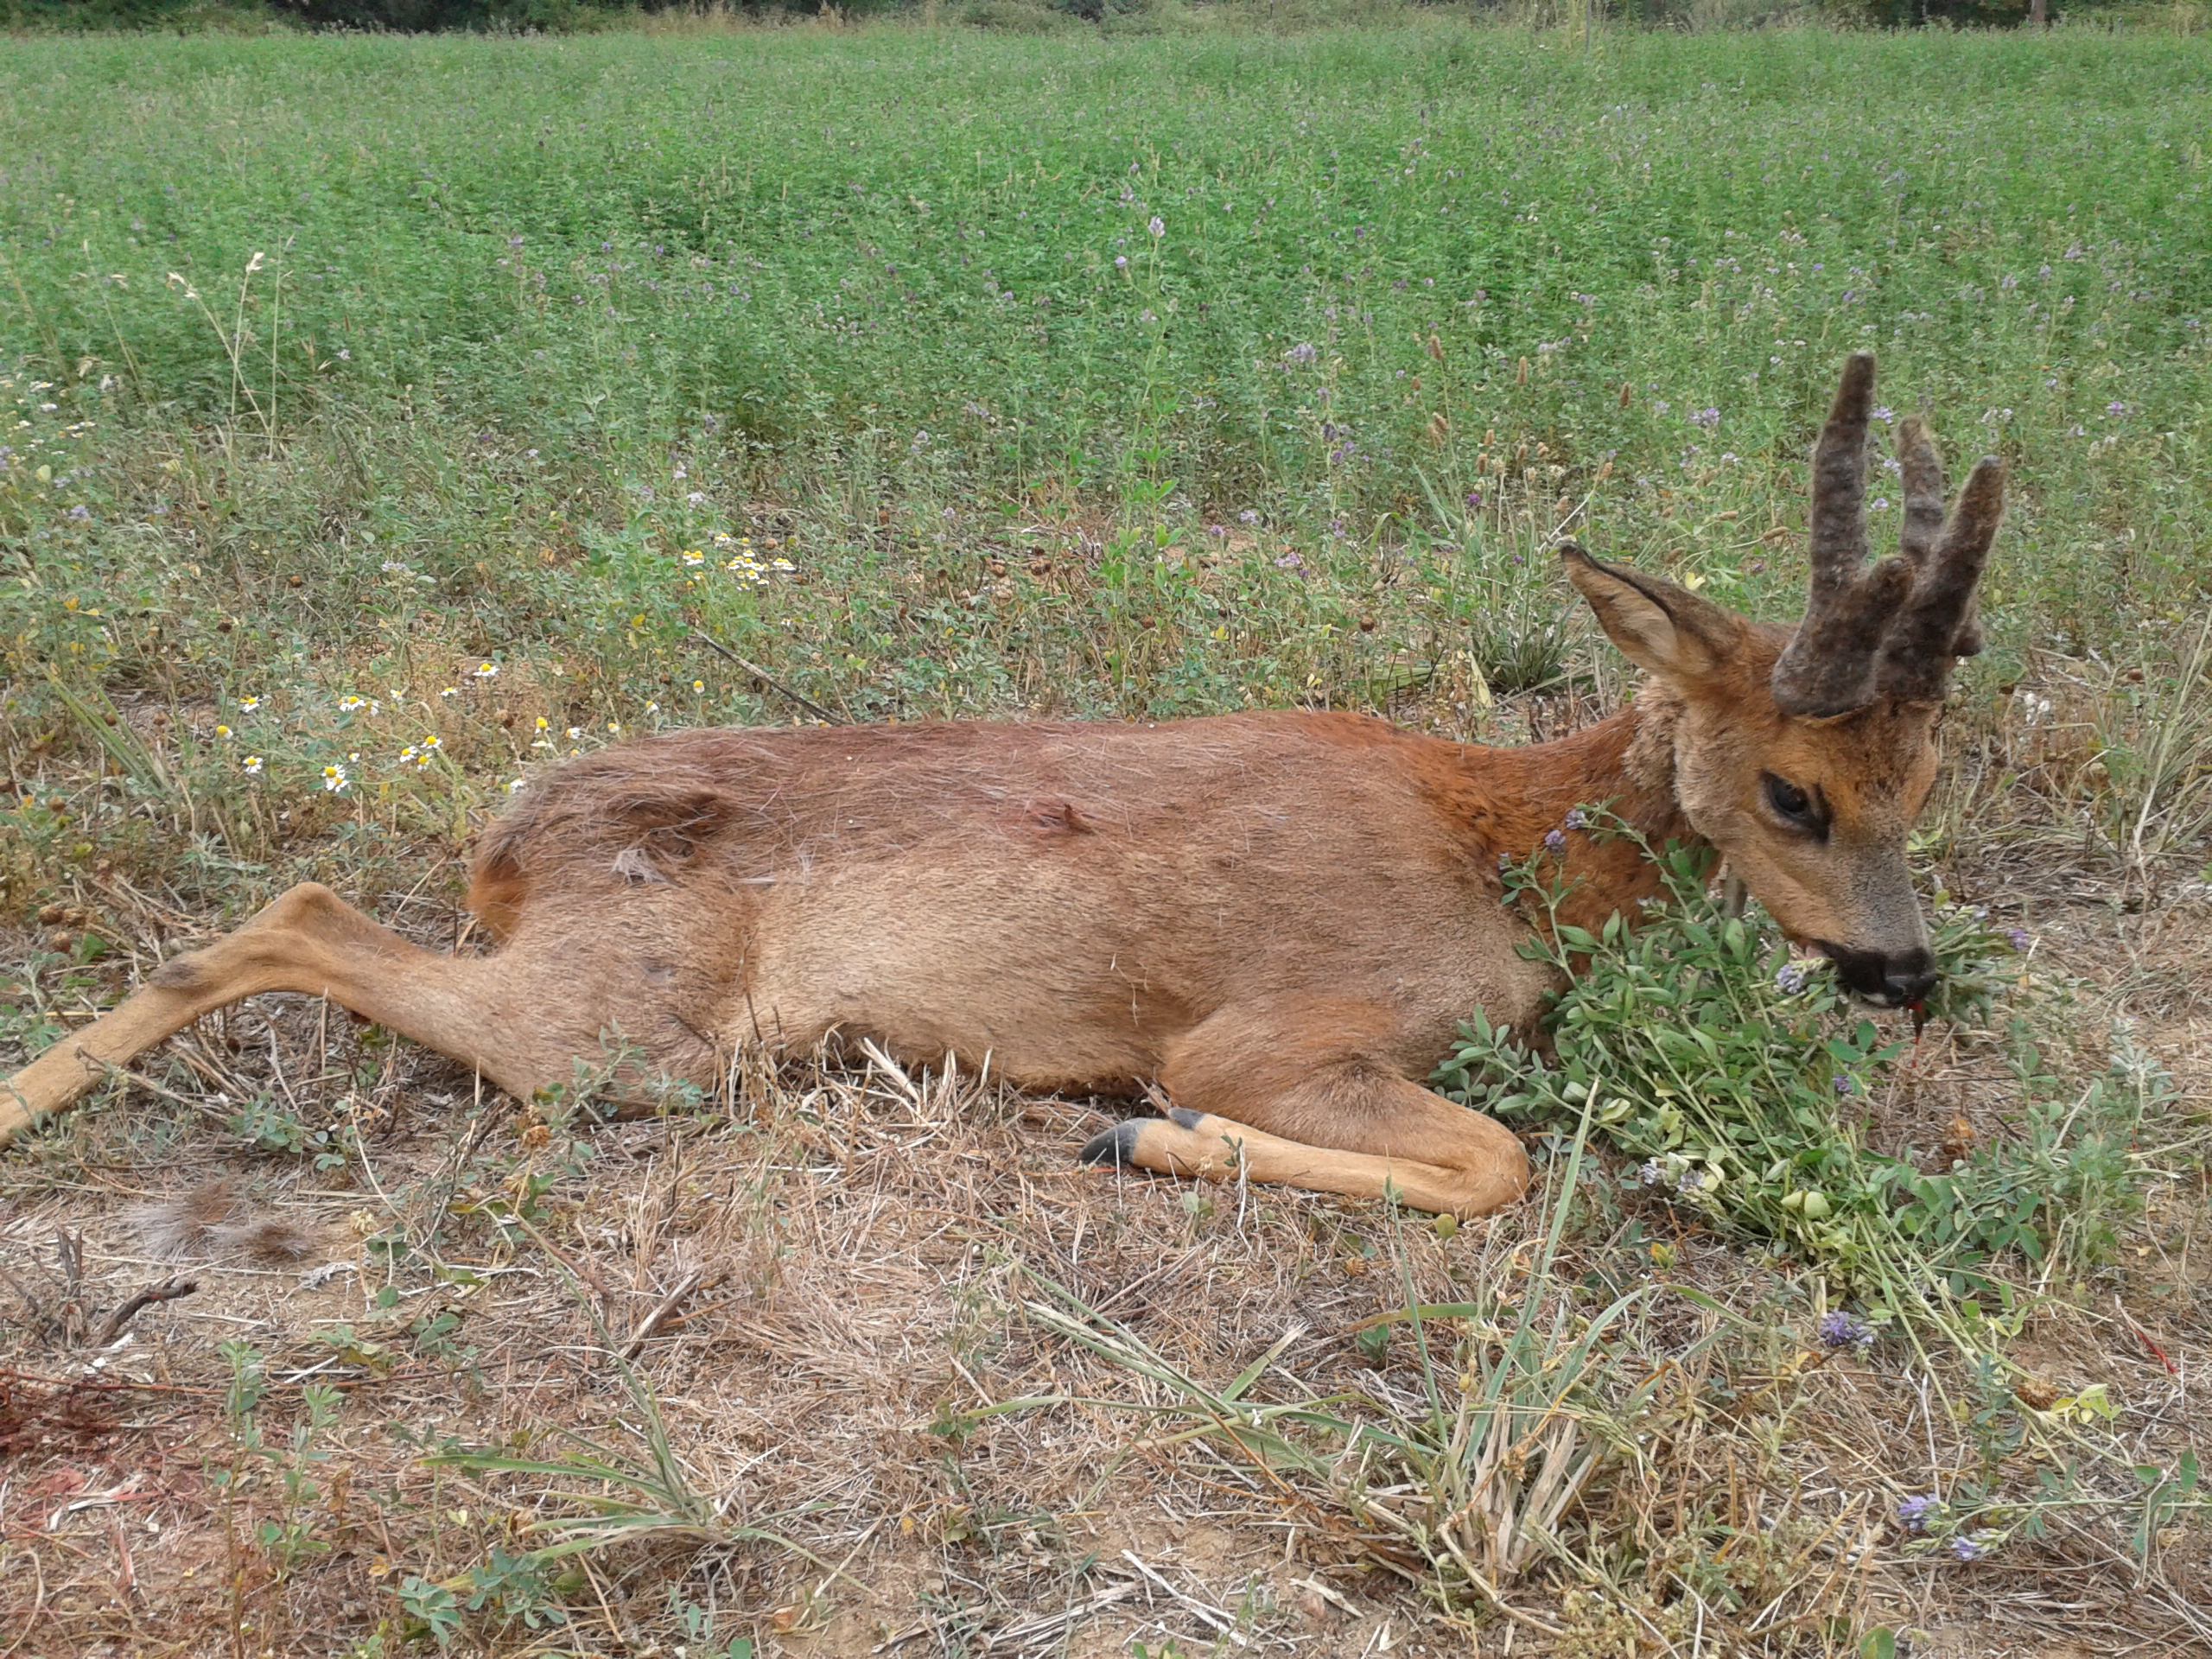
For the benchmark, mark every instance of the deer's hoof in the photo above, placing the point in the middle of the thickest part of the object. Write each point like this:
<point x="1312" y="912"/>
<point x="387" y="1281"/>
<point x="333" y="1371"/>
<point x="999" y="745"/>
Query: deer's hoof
<point x="1115" y="1147"/>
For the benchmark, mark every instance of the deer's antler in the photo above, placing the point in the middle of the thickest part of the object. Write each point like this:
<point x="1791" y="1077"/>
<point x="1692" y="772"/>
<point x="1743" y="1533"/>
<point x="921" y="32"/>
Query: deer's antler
<point x="1893" y="630"/>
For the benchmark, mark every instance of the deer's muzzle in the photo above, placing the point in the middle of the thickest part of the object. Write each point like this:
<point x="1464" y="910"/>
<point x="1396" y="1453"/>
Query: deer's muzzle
<point x="1901" y="981"/>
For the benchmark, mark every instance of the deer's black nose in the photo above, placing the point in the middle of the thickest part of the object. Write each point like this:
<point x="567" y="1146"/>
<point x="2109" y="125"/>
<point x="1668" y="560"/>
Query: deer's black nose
<point x="1898" y="982"/>
<point x="1909" y="978"/>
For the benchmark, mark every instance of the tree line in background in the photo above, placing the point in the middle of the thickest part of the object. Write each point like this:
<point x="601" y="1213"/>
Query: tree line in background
<point x="567" y="16"/>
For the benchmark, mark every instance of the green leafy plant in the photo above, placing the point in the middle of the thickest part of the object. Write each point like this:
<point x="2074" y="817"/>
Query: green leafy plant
<point x="435" y="1606"/>
<point x="266" y="1124"/>
<point x="506" y="1587"/>
<point x="1975" y="1517"/>
<point x="288" y="1535"/>
<point x="700" y="1632"/>
<point x="1700" y="1048"/>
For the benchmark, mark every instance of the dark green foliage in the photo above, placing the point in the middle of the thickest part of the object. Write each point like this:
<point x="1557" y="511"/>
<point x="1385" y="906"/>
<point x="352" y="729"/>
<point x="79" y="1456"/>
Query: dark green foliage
<point x="400" y="15"/>
<point x="1739" y="1080"/>
<point x="796" y="293"/>
<point x="126" y="14"/>
<point x="416" y="15"/>
<point x="1958" y="14"/>
<point x="1016" y="16"/>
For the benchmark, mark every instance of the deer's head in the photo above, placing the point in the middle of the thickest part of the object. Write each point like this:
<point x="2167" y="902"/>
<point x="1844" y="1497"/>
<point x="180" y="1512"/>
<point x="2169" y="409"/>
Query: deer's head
<point x="1805" y="756"/>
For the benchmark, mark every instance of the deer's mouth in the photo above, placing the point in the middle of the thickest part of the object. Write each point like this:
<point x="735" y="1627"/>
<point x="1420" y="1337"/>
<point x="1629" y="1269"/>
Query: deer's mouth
<point x="1888" y="979"/>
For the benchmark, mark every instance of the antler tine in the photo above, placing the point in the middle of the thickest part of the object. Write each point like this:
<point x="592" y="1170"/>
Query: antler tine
<point x="1829" y="665"/>
<point x="1923" y="489"/>
<point x="1938" y="624"/>
<point x="1922" y="464"/>
<point x="1838" y="540"/>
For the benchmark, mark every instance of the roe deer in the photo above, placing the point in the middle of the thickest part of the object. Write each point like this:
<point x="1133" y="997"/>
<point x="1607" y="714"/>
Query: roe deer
<point x="1278" y="920"/>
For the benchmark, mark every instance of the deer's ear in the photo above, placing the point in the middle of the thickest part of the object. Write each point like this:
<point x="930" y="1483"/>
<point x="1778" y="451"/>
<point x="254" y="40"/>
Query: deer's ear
<point x="1663" y="629"/>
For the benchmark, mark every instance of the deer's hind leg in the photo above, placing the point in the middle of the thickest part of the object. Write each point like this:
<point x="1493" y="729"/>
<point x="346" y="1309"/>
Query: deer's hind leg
<point x="1303" y="1093"/>
<point x="513" y="1015"/>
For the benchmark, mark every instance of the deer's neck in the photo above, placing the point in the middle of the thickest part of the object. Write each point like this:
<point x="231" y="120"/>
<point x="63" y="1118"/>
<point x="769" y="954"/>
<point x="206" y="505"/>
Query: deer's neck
<point x="1625" y="765"/>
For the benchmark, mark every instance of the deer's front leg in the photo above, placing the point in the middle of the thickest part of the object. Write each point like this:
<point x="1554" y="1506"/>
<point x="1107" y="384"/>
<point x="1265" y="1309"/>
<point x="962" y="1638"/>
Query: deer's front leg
<point x="1300" y="1093"/>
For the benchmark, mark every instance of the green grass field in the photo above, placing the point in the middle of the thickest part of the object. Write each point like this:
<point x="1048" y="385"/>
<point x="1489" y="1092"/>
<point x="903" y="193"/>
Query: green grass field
<point x="509" y="291"/>
<point x="392" y="416"/>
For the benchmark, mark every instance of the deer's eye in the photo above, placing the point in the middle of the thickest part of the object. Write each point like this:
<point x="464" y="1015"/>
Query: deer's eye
<point x="1792" y="805"/>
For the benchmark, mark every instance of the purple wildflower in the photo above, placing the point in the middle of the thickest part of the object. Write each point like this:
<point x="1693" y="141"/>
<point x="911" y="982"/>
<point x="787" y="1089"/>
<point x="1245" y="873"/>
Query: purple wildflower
<point x="1972" y="1546"/>
<point x="2018" y="939"/>
<point x="1301" y="353"/>
<point x="1247" y="516"/>
<point x="1883" y="412"/>
<point x="1290" y="561"/>
<point x="1157" y="228"/>
<point x="1914" y="1511"/>
<point x="1707" y="418"/>
<point x="1841" y="1330"/>
<point x="1845" y="1086"/>
<point x="1650" y="1174"/>
<point x="1554" y="842"/>
<point x="1121" y="262"/>
<point x="1574" y="820"/>
<point x="1790" y="979"/>
<point x="2115" y="410"/>
<point x="80" y="512"/>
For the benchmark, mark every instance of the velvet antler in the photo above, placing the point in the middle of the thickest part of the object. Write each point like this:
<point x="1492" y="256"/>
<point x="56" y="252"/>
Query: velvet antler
<point x="1891" y="631"/>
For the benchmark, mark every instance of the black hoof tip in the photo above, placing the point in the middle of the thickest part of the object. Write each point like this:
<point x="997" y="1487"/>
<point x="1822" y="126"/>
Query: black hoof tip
<point x="1184" y="1118"/>
<point x="1115" y="1147"/>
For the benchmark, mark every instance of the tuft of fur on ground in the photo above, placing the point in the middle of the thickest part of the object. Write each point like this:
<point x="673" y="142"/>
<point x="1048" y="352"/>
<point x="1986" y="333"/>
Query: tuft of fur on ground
<point x="217" y="1218"/>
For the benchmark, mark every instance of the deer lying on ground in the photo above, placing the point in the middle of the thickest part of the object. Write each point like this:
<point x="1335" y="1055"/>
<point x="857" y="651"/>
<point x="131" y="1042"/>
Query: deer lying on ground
<point x="1278" y="919"/>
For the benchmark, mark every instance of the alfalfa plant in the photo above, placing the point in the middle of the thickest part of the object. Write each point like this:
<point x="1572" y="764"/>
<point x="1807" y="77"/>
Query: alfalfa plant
<point x="1729" y="1070"/>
